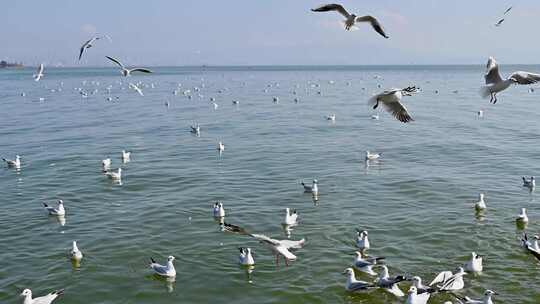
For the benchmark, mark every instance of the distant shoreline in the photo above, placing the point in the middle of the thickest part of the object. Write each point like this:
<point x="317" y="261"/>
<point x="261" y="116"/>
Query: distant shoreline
<point x="4" y="64"/>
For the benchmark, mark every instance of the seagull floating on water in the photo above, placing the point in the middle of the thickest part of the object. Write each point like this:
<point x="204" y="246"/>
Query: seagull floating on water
<point x="311" y="189"/>
<point x="126" y="156"/>
<point x="355" y="285"/>
<point x="495" y="83"/>
<point x="16" y="163"/>
<point x="366" y="264"/>
<point x="413" y="297"/>
<point x="220" y="147"/>
<point x="480" y="204"/>
<point x="475" y="264"/>
<point x="106" y="164"/>
<point x="331" y="117"/>
<point x="388" y="283"/>
<point x="522" y="217"/>
<point x="58" y="211"/>
<point x="529" y="183"/>
<point x="362" y="241"/>
<point x="531" y="246"/>
<point x="245" y="258"/>
<point x="391" y="99"/>
<point x="127" y="72"/>
<point x="114" y="175"/>
<point x="291" y="217"/>
<point x="48" y="299"/>
<point x="39" y="74"/>
<point x="421" y="288"/>
<point x="485" y="300"/>
<point x="164" y="270"/>
<point x="372" y="156"/>
<point x="75" y="253"/>
<point x="196" y="129"/>
<point x="351" y="19"/>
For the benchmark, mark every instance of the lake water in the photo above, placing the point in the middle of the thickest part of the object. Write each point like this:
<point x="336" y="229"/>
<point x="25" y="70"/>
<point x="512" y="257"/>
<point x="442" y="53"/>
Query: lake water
<point x="416" y="203"/>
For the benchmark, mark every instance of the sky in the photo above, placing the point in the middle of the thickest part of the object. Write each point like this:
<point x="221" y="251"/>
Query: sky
<point x="267" y="32"/>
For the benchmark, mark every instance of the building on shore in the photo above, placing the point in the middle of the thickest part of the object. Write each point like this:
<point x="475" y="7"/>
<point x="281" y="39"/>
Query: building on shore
<point x="5" y="64"/>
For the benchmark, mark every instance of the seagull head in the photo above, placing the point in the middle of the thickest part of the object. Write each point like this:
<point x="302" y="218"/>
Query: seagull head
<point x="488" y="293"/>
<point x="482" y="196"/>
<point x="170" y="258"/>
<point x="348" y="271"/>
<point x="416" y="280"/>
<point x="358" y="254"/>
<point x="461" y="271"/>
<point x="315" y="181"/>
<point x="412" y="290"/>
<point x="60" y="202"/>
<point x="26" y="292"/>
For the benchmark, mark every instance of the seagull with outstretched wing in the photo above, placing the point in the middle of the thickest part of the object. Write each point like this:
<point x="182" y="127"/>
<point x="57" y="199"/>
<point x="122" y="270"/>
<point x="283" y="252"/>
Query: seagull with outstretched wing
<point x="125" y="71"/>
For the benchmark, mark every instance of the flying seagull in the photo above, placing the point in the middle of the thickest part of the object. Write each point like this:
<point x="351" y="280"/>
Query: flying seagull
<point x="127" y="72"/>
<point x="507" y="10"/>
<point x="499" y="22"/>
<point x="351" y="19"/>
<point x="39" y="74"/>
<point x="136" y="88"/>
<point x="88" y="44"/>
<point x="280" y="247"/>
<point x="495" y="84"/>
<point x="391" y="99"/>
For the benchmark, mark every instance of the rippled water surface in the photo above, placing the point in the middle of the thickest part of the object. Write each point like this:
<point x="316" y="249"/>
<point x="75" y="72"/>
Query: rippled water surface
<point x="417" y="202"/>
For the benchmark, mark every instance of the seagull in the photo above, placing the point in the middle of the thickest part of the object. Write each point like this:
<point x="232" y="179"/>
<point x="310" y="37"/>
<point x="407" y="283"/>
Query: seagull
<point x="474" y="264"/>
<point x="127" y="72"/>
<point x="291" y="217"/>
<point x="275" y="99"/>
<point x="196" y="129"/>
<point x="75" y="253"/>
<point x="480" y="114"/>
<point x="529" y="183"/>
<point x="485" y="300"/>
<point x="351" y="19"/>
<point x="522" y="217"/>
<point x="391" y="99"/>
<point x="390" y="284"/>
<point x="245" y="258"/>
<point x="311" y="189"/>
<point x="233" y="228"/>
<point x="331" y="117"/>
<point x="220" y="147"/>
<point x="531" y="247"/>
<point x="280" y="247"/>
<point x="218" y="210"/>
<point x="362" y="240"/>
<point x="164" y="270"/>
<point x="366" y="264"/>
<point x="480" y="205"/>
<point x="13" y="163"/>
<point x="58" y="211"/>
<point x="106" y="164"/>
<point x="499" y="22"/>
<point x="136" y="88"/>
<point x="375" y="117"/>
<point x="507" y="10"/>
<point x="372" y="156"/>
<point x="413" y="297"/>
<point x="446" y="281"/>
<point x="495" y="84"/>
<point x="114" y="175"/>
<point x="88" y="44"/>
<point x="48" y="299"/>
<point x="420" y="288"/>
<point x="355" y="285"/>
<point x="39" y="74"/>
<point x="126" y="156"/>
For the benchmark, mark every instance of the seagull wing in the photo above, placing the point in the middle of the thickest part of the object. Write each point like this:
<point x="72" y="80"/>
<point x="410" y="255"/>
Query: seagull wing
<point x="332" y="7"/>
<point x="360" y="285"/>
<point x="441" y="278"/>
<point x="81" y="52"/>
<point x="521" y="77"/>
<point x="141" y="70"/>
<point x="159" y="268"/>
<point x="374" y="23"/>
<point x="115" y="61"/>
<point x="507" y="10"/>
<point x="40" y="69"/>
<point x="264" y="238"/>
<point x="284" y="251"/>
<point x="398" y="110"/>
<point x="492" y="72"/>
<point x="292" y="244"/>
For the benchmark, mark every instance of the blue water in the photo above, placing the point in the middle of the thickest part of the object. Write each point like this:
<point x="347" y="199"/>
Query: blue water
<point x="417" y="202"/>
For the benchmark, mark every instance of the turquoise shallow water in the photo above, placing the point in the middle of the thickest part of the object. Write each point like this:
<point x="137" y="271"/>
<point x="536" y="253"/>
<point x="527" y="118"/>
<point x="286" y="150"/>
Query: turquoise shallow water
<point x="416" y="202"/>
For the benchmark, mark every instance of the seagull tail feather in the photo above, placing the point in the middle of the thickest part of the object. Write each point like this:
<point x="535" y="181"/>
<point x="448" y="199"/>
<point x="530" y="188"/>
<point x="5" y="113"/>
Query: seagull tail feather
<point x="59" y="292"/>
<point x="152" y="260"/>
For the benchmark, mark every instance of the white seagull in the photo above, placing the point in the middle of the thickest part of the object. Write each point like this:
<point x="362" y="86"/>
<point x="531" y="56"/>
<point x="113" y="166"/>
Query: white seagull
<point x="495" y="83"/>
<point x="353" y="284"/>
<point x="126" y="156"/>
<point x="58" y="211"/>
<point x="388" y="283"/>
<point x="246" y="258"/>
<point x="351" y="19"/>
<point x="75" y="253"/>
<point x="446" y="281"/>
<point x="39" y="74"/>
<point x="164" y="270"/>
<point x="331" y="117"/>
<point x="421" y="288"/>
<point x="475" y="263"/>
<point x="522" y="217"/>
<point x="219" y="211"/>
<point x="220" y="147"/>
<point x="413" y="297"/>
<point x="480" y="204"/>
<point x="372" y="156"/>
<point x="127" y="72"/>
<point x="532" y="247"/>
<point x="114" y="175"/>
<point x="16" y="163"/>
<point x="391" y="99"/>
<point x="529" y="183"/>
<point x="48" y="299"/>
<point x="196" y="129"/>
<point x="311" y="189"/>
<point x="485" y="300"/>
<point x="366" y="264"/>
<point x="106" y="164"/>
<point x="291" y="217"/>
<point x="280" y="247"/>
<point x="88" y="44"/>
<point x="136" y="88"/>
<point x="362" y="241"/>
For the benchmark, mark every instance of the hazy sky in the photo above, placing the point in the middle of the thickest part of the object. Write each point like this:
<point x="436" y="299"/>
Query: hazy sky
<point x="250" y="32"/>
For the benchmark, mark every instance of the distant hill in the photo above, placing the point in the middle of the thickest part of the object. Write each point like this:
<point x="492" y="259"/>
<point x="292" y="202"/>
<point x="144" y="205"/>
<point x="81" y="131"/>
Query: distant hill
<point x="5" y="64"/>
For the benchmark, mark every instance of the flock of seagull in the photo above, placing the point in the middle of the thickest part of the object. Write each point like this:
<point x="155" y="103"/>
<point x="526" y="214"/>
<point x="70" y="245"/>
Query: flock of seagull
<point x="418" y="293"/>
